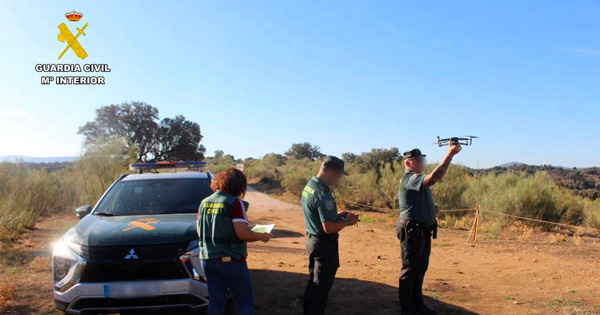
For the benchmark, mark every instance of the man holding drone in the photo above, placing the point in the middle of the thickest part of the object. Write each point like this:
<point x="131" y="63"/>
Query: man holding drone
<point x="417" y="224"/>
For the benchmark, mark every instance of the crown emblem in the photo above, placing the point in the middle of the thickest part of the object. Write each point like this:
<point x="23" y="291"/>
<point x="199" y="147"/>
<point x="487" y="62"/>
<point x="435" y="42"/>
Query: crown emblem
<point x="73" y="16"/>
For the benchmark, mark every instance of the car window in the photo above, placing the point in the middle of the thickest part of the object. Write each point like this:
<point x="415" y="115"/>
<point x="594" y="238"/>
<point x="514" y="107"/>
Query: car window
<point x="155" y="196"/>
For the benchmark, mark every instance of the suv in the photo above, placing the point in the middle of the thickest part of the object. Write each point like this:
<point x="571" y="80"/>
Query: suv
<point x="137" y="249"/>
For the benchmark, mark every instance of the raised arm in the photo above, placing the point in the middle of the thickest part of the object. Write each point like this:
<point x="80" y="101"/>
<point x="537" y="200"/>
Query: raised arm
<point x="442" y="168"/>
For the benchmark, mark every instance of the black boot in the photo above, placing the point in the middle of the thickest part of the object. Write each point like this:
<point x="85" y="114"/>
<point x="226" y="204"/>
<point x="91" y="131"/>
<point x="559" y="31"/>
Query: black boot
<point x="424" y="310"/>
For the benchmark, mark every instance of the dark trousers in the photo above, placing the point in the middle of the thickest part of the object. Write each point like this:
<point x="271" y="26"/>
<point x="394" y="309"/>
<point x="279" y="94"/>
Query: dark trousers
<point x="415" y="242"/>
<point x="323" y="264"/>
<point x="232" y="275"/>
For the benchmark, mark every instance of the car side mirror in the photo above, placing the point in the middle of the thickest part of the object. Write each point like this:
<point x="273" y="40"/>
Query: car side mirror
<point x="83" y="211"/>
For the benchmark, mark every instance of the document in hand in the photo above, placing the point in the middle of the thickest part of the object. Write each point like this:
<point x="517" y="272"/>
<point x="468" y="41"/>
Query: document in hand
<point x="261" y="228"/>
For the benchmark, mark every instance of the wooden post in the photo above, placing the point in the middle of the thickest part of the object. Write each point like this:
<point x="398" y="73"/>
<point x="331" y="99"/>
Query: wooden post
<point x="475" y="227"/>
<point x="477" y="216"/>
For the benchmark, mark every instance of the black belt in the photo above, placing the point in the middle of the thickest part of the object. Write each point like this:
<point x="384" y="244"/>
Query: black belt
<point x="329" y="237"/>
<point x="431" y="229"/>
<point x="404" y="221"/>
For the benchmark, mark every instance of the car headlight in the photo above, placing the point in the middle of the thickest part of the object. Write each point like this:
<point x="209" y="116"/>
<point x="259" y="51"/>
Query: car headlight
<point x="67" y="266"/>
<point x="191" y="260"/>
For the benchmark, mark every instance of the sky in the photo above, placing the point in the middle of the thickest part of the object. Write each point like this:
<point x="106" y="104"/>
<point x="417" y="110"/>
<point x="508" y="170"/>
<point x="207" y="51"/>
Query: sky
<point x="347" y="76"/>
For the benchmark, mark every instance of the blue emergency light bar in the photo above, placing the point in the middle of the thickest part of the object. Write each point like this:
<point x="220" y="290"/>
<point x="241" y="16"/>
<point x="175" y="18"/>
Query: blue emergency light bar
<point x="167" y="164"/>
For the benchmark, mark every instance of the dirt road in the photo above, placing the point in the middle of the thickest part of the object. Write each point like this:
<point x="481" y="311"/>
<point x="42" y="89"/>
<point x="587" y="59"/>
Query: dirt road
<point x="493" y="277"/>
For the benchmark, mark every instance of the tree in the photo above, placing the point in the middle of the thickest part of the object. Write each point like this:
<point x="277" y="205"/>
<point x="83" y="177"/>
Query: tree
<point x="178" y="139"/>
<point x="377" y="159"/>
<point x="133" y="123"/>
<point x="220" y="161"/>
<point x="219" y="154"/>
<point x="304" y="150"/>
<point x="136" y="125"/>
<point x="349" y="157"/>
<point x="275" y="159"/>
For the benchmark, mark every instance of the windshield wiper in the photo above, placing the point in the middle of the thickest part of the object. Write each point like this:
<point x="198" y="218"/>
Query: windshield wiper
<point x="106" y="214"/>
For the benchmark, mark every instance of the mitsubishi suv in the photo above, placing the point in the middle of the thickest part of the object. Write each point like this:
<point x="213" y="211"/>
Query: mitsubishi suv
<point x="137" y="250"/>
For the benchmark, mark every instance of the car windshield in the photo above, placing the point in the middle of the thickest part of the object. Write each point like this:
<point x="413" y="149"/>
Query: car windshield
<point x="154" y="196"/>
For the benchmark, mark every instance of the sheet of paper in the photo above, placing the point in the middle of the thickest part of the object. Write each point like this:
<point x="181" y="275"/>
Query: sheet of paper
<point x="263" y="228"/>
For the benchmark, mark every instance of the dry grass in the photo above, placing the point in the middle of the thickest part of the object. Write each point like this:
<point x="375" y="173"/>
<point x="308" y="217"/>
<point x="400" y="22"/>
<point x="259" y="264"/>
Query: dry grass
<point x="7" y="293"/>
<point x="557" y="238"/>
<point x="40" y="264"/>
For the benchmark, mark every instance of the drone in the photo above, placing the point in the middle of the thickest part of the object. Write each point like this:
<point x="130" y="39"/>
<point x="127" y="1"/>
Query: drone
<point x="466" y="140"/>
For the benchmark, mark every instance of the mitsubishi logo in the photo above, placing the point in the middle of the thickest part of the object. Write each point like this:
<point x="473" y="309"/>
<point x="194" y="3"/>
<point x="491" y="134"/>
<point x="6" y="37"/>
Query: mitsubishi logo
<point x="131" y="255"/>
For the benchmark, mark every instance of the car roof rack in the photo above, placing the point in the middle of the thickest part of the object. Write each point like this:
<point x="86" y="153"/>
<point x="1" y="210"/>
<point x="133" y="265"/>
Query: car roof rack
<point x="155" y="166"/>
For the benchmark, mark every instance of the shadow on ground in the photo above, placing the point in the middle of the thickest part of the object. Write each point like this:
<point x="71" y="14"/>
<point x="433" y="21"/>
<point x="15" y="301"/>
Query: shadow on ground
<point x="279" y="233"/>
<point x="278" y="292"/>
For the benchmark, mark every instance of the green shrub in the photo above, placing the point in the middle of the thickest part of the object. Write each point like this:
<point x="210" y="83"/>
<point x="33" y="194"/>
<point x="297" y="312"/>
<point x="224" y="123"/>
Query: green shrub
<point x="98" y="167"/>
<point x="25" y="195"/>
<point x="592" y="213"/>
<point x="259" y="169"/>
<point x="297" y="172"/>
<point x="534" y="197"/>
<point x="448" y="193"/>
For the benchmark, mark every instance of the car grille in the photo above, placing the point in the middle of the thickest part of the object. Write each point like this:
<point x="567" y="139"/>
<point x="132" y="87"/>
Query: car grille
<point x="151" y="262"/>
<point x="131" y="271"/>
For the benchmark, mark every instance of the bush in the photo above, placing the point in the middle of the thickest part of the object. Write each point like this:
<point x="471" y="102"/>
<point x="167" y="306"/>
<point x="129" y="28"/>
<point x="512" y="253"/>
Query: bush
<point x="592" y="213"/>
<point x="370" y="188"/>
<point x="99" y="166"/>
<point x="375" y="176"/>
<point x="220" y="163"/>
<point x="297" y="172"/>
<point x="524" y="195"/>
<point x="26" y="195"/>
<point x="259" y="169"/>
<point x="448" y="193"/>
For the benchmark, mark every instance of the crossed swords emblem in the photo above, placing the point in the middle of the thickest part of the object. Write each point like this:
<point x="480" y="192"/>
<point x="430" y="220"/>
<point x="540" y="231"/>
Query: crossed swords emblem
<point x="66" y="36"/>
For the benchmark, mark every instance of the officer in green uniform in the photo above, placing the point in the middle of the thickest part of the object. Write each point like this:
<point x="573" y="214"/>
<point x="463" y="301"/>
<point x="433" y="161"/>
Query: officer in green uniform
<point x="416" y="225"/>
<point x="223" y="234"/>
<point x="323" y="223"/>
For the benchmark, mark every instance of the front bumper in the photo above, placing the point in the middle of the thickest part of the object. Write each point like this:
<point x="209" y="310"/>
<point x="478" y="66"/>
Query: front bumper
<point x="114" y="297"/>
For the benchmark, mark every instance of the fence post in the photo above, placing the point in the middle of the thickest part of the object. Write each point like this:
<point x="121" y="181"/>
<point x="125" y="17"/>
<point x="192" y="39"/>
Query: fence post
<point x="477" y="216"/>
<point x="475" y="227"/>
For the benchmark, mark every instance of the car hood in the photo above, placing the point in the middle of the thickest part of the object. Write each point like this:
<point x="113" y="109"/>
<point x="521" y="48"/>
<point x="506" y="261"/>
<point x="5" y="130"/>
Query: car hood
<point x="94" y="230"/>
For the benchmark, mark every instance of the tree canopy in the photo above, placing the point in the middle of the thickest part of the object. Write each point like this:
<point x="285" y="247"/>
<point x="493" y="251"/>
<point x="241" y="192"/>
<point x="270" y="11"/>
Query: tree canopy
<point x="304" y="150"/>
<point x="136" y="124"/>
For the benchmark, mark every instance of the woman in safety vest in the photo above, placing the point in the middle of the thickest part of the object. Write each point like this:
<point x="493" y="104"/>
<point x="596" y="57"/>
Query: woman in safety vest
<point x="224" y="233"/>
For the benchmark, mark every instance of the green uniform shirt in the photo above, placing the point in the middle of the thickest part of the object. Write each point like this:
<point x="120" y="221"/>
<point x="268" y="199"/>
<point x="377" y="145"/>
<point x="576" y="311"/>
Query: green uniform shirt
<point x="318" y="204"/>
<point x="416" y="202"/>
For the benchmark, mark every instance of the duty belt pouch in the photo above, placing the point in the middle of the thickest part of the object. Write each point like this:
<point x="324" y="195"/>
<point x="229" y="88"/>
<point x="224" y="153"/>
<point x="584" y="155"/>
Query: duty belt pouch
<point x="400" y="226"/>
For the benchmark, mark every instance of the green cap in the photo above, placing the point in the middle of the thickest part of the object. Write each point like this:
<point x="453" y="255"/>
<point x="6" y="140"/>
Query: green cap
<point x="334" y="162"/>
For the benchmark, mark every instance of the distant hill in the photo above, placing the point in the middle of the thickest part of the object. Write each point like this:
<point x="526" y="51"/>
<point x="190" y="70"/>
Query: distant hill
<point x="31" y="159"/>
<point x="510" y="164"/>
